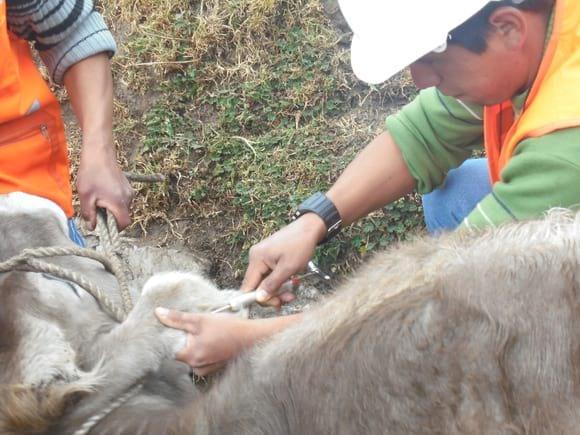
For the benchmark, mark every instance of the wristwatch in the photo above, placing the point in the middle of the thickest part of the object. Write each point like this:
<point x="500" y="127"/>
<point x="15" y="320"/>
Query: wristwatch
<point x="320" y="205"/>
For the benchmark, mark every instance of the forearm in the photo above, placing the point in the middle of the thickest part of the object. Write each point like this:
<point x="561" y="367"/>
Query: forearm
<point x="376" y="177"/>
<point x="261" y="329"/>
<point x="90" y="87"/>
<point x="100" y="180"/>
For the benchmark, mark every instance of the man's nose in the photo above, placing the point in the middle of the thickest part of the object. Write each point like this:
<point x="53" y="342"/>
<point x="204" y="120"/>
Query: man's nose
<point x="424" y="75"/>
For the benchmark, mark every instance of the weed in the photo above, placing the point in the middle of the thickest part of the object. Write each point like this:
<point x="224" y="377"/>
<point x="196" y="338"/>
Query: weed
<point x="248" y="106"/>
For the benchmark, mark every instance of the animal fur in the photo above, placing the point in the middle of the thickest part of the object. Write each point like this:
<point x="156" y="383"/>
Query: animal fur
<point x="466" y="333"/>
<point x="62" y="358"/>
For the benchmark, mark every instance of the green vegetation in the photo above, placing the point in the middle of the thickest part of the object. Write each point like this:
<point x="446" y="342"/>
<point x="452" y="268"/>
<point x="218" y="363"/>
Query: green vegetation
<point x="248" y="106"/>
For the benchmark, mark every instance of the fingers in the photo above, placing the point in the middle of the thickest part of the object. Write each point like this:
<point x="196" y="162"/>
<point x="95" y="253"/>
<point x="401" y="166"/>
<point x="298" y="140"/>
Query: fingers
<point x="119" y="207"/>
<point x="256" y="271"/>
<point x="178" y="320"/>
<point x="279" y="275"/>
<point x="123" y="218"/>
<point x="287" y="297"/>
<point x="101" y="183"/>
<point x="276" y="258"/>
<point x="118" y="203"/>
<point x="212" y="340"/>
<point x="266" y="271"/>
<point x="198" y="361"/>
<point x="275" y="277"/>
<point x="89" y="210"/>
<point x="266" y="299"/>
<point x="270" y="301"/>
<point x="120" y="211"/>
<point x="187" y="355"/>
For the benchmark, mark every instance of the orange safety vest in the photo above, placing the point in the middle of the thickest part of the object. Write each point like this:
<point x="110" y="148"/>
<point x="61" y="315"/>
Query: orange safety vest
<point x="33" y="149"/>
<point x="553" y="102"/>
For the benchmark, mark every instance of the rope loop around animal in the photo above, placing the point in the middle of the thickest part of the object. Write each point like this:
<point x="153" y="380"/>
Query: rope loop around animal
<point x="110" y="240"/>
<point x="29" y="260"/>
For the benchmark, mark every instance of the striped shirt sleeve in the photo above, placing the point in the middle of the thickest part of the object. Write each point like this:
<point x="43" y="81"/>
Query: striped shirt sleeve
<point x="63" y="31"/>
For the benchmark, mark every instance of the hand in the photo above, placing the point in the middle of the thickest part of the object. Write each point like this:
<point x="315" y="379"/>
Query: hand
<point x="286" y="252"/>
<point x="101" y="183"/>
<point x="212" y="339"/>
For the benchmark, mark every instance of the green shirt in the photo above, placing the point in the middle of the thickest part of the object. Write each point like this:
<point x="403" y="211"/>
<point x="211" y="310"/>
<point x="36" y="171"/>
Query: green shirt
<point x="437" y="133"/>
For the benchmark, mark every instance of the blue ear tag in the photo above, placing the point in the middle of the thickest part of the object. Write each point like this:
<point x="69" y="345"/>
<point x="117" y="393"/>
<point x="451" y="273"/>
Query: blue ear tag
<point x="75" y="235"/>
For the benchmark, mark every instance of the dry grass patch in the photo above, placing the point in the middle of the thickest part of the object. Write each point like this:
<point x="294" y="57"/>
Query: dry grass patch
<point x="247" y="106"/>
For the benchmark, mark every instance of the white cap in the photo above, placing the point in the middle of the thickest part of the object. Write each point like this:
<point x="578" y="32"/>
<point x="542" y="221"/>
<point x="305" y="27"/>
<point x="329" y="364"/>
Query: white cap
<point x="391" y="34"/>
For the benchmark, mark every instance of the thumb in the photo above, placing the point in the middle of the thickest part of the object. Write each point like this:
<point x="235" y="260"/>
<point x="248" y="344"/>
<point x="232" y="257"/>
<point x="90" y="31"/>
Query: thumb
<point x="188" y="322"/>
<point x="119" y="211"/>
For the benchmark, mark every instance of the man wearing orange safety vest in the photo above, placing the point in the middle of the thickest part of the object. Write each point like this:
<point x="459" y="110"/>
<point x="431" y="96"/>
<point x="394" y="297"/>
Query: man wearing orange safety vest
<point x="503" y="75"/>
<point x="75" y="44"/>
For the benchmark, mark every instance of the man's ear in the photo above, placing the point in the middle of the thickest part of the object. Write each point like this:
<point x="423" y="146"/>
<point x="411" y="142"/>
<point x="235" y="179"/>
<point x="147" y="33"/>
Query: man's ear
<point x="510" y="26"/>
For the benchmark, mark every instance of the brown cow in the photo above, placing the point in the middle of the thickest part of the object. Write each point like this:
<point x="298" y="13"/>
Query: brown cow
<point x="467" y="333"/>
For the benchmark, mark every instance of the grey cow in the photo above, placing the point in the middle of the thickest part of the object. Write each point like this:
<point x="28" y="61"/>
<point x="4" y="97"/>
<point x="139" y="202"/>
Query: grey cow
<point x="466" y="333"/>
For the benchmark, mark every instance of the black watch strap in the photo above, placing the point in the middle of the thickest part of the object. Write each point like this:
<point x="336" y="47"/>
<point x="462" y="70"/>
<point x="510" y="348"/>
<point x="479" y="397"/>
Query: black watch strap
<point x="320" y="205"/>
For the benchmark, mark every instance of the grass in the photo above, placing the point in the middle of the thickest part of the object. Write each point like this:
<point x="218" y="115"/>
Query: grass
<point x="248" y="106"/>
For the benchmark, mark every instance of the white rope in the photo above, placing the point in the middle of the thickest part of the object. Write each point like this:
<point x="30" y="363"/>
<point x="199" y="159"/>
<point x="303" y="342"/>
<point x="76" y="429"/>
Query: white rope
<point x="110" y="240"/>
<point x="28" y="261"/>
<point x="96" y="419"/>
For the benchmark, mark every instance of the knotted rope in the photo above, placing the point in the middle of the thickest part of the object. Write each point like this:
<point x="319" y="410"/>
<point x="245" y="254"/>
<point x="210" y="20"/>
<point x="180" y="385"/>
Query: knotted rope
<point x="28" y="261"/>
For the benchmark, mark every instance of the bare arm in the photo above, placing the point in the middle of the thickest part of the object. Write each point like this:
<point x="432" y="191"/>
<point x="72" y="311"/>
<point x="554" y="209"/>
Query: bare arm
<point x="376" y="177"/>
<point x="100" y="181"/>
<point x="212" y="340"/>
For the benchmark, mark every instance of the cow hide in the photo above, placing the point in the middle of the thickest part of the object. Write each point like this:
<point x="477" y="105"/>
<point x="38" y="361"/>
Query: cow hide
<point x="466" y="333"/>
